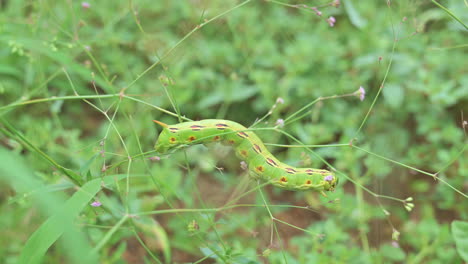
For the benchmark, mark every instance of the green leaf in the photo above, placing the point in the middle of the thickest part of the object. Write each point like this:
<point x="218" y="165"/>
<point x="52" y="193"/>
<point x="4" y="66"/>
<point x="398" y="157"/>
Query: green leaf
<point x="38" y="244"/>
<point x="460" y="235"/>
<point x="61" y="222"/>
<point x="63" y="219"/>
<point x="355" y="18"/>
<point x="392" y="253"/>
<point x="85" y="167"/>
<point x="393" y="95"/>
<point x="15" y="172"/>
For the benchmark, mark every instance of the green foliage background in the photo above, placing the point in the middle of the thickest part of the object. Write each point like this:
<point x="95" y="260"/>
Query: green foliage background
<point x="101" y="74"/>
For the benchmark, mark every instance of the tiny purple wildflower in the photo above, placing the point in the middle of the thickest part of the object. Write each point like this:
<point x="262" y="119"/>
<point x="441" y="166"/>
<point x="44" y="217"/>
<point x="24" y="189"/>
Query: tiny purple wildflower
<point x="279" y="123"/>
<point x="328" y="178"/>
<point x="361" y="93"/>
<point x="331" y="21"/>
<point x="96" y="204"/>
<point x="85" y="5"/>
<point x="155" y="158"/>
<point x="395" y="244"/>
<point x="317" y="12"/>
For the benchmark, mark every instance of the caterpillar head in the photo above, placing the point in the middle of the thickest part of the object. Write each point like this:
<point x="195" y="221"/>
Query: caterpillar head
<point x="331" y="181"/>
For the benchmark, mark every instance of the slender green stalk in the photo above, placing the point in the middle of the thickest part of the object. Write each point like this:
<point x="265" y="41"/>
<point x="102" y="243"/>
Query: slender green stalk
<point x="13" y="133"/>
<point x="142" y="243"/>
<point x="109" y="234"/>
<point x="450" y="13"/>
<point x="273" y="225"/>
<point x="362" y="221"/>
<point x="433" y="175"/>
<point x="57" y="98"/>
<point x="379" y="91"/>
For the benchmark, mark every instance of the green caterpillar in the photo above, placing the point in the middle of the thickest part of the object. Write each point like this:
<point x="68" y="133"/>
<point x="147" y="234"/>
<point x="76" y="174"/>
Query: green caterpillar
<point x="249" y="147"/>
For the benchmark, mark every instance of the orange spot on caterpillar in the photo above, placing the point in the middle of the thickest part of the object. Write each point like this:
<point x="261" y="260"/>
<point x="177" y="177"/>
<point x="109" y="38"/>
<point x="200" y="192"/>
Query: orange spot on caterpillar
<point x="243" y="153"/>
<point x="216" y="138"/>
<point x="257" y="148"/>
<point x="283" y="179"/>
<point x="231" y="142"/>
<point x="192" y="138"/>
<point x="259" y="169"/>
<point x="242" y="135"/>
<point x="308" y="182"/>
<point x="172" y="140"/>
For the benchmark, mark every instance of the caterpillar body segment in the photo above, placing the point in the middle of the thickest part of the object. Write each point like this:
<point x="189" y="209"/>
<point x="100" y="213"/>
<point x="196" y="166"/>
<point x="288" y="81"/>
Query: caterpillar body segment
<point x="248" y="147"/>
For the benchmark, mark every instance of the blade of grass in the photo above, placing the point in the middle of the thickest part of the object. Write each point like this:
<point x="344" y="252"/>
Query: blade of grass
<point x="14" y="171"/>
<point x="12" y="132"/>
<point x="38" y="244"/>
<point x="451" y="14"/>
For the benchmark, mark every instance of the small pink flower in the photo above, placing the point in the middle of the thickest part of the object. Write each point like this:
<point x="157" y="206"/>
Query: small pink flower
<point x="280" y="100"/>
<point x="331" y="21"/>
<point x="395" y="244"/>
<point x="317" y="12"/>
<point x="85" y="5"/>
<point x="155" y="158"/>
<point x="96" y="204"/>
<point x="279" y="123"/>
<point x="361" y="93"/>
<point x="336" y="3"/>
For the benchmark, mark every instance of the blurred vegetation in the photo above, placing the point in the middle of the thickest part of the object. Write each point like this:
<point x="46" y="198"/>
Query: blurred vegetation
<point x="80" y="83"/>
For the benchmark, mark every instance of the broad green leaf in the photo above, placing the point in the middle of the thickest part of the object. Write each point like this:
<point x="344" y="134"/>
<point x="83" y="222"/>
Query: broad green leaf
<point x="62" y="219"/>
<point x="55" y="226"/>
<point x="38" y="244"/>
<point x="460" y="235"/>
<point x="14" y="171"/>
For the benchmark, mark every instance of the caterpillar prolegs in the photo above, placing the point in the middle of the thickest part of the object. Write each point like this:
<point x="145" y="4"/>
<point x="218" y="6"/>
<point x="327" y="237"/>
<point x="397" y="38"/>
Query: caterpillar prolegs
<point x="248" y="147"/>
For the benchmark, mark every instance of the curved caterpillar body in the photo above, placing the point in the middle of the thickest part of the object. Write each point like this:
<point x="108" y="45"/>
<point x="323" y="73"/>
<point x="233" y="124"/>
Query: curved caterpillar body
<point x="248" y="147"/>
